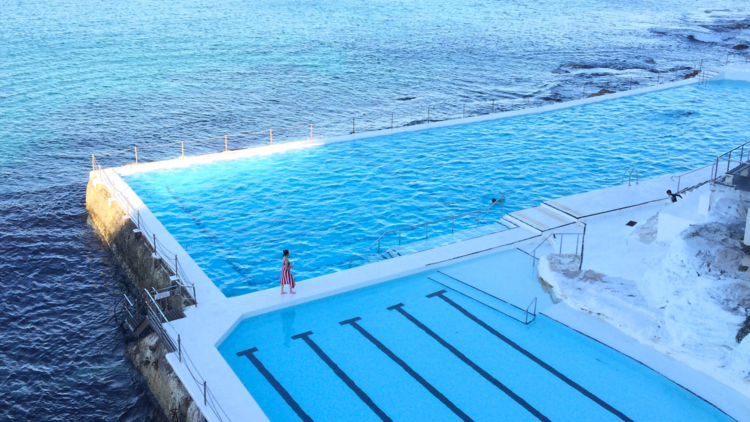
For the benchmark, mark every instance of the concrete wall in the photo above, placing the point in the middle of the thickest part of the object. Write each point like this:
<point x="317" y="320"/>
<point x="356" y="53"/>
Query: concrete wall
<point x="135" y="257"/>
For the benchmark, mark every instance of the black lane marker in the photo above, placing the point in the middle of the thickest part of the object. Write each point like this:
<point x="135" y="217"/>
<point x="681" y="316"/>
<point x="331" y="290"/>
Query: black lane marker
<point x="249" y="353"/>
<point x="407" y="368"/>
<point x="341" y="374"/>
<point x="538" y="361"/>
<point x="469" y="362"/>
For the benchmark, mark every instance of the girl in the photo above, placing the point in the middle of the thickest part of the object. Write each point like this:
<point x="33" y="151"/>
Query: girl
<point x="286" y="274"/>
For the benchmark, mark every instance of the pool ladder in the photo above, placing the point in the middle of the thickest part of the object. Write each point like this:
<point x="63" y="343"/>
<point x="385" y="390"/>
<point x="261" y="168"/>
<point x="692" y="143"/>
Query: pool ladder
<point x="629" y="172"/>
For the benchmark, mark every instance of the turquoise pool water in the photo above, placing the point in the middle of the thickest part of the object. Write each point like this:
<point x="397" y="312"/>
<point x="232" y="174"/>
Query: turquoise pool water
<point x="440" y="358"/>
<point x="328" y="204"/>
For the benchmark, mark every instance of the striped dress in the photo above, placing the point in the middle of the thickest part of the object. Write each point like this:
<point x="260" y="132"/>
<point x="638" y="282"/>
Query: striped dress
<point x="286" y="276"/>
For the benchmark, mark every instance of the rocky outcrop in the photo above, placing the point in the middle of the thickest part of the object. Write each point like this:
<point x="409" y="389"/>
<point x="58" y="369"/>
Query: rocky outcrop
<point x="601" y="92"/>
<point x="692" y="74"/>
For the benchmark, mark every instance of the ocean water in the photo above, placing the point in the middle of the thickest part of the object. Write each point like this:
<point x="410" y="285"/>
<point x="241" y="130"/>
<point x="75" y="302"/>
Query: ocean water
<point x="79" y="77"/>
<point x="328" y="204"/>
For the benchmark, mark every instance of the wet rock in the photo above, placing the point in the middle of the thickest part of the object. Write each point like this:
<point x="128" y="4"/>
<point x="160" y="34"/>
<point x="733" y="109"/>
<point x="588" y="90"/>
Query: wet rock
<point x="692" y="74"/>
<point x="741" y="47"/>
<point x="601" y="92"/>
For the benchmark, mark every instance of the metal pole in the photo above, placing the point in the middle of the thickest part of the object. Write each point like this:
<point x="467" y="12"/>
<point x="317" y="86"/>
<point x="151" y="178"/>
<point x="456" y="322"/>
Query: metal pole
<point x="729" y="160"/>
<point x="175" y="266"/>
<point x="353" y="127"/>
<point x="204" y="393"/>
<point x="226" y="145"/>
<point x="93" y="160"/>
<point x="179" y="347"/>
<point x="136" y="155"/>
<point x="182" y="144"/>
<point x="154" y="242"/>
<point x="270" y="132"/>
<point x="139" y="219"/>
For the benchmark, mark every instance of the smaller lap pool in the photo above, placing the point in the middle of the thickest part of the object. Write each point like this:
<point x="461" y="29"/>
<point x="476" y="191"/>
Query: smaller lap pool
<point x="420" y="349"/>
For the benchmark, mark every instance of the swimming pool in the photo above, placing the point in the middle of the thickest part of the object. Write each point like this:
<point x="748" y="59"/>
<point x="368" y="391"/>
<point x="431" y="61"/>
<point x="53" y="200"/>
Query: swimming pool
<point x="328" y="204"/>
<point x="414" y="349"/>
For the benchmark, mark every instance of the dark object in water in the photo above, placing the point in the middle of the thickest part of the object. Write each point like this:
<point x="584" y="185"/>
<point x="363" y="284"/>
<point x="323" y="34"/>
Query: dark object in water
<point x="405" y="98"/>
<point x="741" y="47"/>
<point x="692" y="74"/>
<point x="600" y="93"/>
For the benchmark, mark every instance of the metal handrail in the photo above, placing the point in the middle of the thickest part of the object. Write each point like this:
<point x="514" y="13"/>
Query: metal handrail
<point x="579" y="239"/>
<point x="728" y="158"/>
<point x="526" y="317"/>
<point x="427" y="223"/>
<point x="630" y="175"/>
<point x="679" y="176"/>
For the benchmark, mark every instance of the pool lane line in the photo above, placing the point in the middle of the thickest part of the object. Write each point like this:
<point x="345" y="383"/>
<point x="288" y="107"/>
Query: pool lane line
<point x="250" y="354"/>
<point x="474" y="366"/>
<point x="341" y="374"/>
<point x="407" y="368"/>
<point x="535" y="359"/>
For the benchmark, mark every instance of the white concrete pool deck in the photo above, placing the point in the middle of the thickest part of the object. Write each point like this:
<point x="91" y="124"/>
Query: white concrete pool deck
<point x="207" y="324"/>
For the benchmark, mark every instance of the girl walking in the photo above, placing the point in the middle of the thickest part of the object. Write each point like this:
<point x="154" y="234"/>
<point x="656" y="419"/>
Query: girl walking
<point x="286" y="274"/>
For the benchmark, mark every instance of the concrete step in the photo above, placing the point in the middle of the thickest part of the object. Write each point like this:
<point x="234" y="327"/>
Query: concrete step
<point x="542" y="218"/>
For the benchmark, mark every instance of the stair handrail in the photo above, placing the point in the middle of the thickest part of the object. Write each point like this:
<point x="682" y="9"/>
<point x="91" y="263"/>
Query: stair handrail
<point x="679" y="176"/>
<point x="728" y="157"/>
<point x="501" y="200"/>
<point x="580" y="237"/>
<point x="526" y="317"/>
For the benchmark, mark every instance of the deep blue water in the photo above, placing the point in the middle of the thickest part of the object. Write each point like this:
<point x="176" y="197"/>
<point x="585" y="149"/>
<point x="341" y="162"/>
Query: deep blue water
<point x="78" y="77"/>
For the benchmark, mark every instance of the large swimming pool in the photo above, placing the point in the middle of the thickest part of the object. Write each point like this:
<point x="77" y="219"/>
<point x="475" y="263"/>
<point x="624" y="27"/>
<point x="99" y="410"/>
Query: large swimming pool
<point x="328" y="204"/>
<point x="414" y="349"/>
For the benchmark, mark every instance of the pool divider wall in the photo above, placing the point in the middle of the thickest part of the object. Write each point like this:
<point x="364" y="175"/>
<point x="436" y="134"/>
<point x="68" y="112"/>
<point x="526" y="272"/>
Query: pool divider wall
<point x="134" y="256"/>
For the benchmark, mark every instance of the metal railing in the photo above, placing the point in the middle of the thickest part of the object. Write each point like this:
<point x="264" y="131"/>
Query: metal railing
<point x="727" y="156"/>
<point x="533" y="313"/>
<point x="629" y="172"/>
<point x="579" y="241"/>
<point x="428" y="113"/>
<point x="453" y="218"/>
<point x="158" y="248"/>
<point x="679" y="176"/>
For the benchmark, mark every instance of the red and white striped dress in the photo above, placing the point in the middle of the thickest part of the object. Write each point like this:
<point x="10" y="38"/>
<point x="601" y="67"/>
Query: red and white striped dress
<point x="286" y="276"/>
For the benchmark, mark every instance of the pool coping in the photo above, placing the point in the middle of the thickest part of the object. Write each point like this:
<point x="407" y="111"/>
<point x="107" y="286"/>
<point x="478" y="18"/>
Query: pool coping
<point x="213" y="319"/>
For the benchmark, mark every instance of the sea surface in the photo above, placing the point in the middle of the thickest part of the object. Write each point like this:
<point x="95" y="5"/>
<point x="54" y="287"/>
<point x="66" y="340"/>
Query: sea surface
<point x="82" y="77"/>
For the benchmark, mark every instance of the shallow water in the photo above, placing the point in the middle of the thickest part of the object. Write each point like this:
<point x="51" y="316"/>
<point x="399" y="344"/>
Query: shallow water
<point x="82" y="77"/>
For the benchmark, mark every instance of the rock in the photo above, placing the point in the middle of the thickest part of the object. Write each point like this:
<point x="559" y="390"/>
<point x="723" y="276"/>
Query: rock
<point x="692" y="74"/>
<point x="601" y="92"/>
<point x="741" y="47"/>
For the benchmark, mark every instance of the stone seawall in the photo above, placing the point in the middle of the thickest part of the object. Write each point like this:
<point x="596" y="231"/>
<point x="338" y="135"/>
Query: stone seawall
<point x="134" y="255"/>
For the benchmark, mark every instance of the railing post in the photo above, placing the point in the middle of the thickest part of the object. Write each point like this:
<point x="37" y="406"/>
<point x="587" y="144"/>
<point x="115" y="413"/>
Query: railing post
<point x="179" y="347"/>
<point x="353" y="128"/>
<point x="226" y="143"/>
<point x="204" y="393"/>
<point x="175" y="267"/>
<point x="270" y="133"/>
<point x="182" y="145"/>
<point x="93" y="161"/>
<point x="729" y="160"/>
<point x="136" y="154"/>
